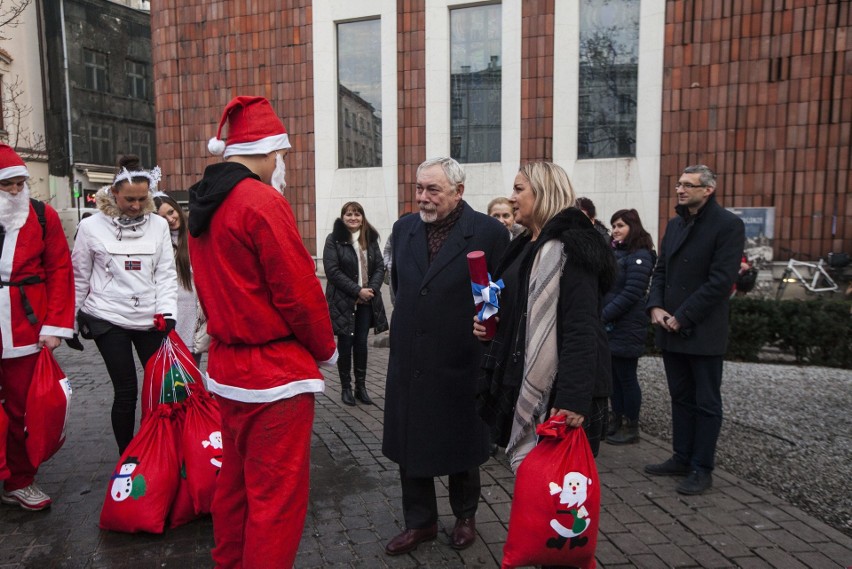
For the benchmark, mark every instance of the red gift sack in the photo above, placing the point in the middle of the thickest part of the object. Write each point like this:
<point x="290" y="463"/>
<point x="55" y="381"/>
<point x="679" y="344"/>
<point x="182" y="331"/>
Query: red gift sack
<point x="48" y="405"/>
<point x="4" y="432"/>
<point x="167" y="374"/>
<point x="556" y="504"/>
<point x="202" y="448"/>
<point x="182" y="511"/>
<point x="145" y="481"/>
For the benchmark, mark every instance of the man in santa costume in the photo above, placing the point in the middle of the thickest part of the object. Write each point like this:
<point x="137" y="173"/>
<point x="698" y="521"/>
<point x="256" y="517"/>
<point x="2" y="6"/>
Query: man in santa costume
<point x="269" y="323"/>
<point x="36" y="310"/>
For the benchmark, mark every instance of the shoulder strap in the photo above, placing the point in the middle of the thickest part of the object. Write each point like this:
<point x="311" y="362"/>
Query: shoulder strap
<point x="38" y="206"/>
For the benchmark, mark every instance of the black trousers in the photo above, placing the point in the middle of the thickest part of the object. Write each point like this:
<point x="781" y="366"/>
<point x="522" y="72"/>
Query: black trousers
<point x="116" y="346"/>
<point x="695" y="386"/>
<point x="354" y="346"/>
<point x="420" y="505"/>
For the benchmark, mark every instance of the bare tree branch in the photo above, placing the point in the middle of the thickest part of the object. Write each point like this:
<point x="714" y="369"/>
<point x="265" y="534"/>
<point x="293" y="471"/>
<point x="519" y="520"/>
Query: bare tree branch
<point x="10" y="14"/>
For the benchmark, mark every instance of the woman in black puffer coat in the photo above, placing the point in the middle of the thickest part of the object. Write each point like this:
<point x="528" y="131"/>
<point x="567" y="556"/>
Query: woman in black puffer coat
<point x="355" y="271"/>
<point x="626" y="322"/>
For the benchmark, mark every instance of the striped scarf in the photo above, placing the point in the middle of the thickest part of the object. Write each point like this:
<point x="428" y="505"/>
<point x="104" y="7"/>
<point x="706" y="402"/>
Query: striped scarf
<point x="541" y="348"/>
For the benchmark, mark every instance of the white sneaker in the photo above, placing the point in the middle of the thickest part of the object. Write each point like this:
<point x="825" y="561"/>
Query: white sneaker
<point x="29" y="498"/>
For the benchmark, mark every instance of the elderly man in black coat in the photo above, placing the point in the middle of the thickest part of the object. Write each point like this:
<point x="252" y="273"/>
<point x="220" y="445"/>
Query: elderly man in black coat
<point x="431" y="425"/>
<point x="699" y="259"/>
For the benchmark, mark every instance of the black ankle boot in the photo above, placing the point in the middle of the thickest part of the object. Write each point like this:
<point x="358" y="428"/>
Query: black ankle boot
<point x="346" y="396"/>
<point x="614" y="424"/>
<point x="361" y="387"/>
<point x="627" y="434"/>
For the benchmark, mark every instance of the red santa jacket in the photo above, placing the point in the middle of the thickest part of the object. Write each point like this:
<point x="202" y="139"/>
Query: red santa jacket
<point x="266" y="312"/>
<point x="28" y="253"/>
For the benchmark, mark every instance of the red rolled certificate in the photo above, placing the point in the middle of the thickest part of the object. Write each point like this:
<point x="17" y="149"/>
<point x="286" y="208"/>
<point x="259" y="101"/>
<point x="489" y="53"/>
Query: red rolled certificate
<point x="483" y="294"/>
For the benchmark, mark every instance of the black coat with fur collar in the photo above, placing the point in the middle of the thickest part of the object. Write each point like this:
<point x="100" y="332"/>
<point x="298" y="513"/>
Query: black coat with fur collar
<point x="341" y="269"/>
<point x="584" y="369"/>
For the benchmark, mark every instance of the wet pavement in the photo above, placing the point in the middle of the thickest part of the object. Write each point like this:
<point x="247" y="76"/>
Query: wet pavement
<point x="355" y="504"/>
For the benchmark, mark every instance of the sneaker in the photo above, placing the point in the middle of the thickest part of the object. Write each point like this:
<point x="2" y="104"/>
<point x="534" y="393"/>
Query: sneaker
<point x="671" y="467"/>
<point x="29" y="498"/>
<point x="697" y="482"/>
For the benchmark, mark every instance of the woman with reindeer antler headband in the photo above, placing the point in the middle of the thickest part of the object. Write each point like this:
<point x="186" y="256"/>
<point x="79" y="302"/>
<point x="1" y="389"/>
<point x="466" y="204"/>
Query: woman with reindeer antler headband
<point x="124" y="274"/>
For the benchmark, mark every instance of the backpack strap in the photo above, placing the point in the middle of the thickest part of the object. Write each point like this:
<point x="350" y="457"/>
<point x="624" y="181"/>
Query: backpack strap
<point x="38" y="206"/>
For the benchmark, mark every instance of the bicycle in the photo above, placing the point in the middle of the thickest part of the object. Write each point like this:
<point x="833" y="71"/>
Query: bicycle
<point x="816" y="278"/>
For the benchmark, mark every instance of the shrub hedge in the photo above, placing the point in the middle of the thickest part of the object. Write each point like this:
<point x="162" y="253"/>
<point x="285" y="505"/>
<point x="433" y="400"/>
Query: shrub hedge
<point x="816" y="332"/>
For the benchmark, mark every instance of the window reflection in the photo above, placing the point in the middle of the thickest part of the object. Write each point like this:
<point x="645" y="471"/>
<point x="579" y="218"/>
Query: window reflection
<point x="359" y="94"/>
<point x="475" y="83"/>
<point x="609" y="55"/>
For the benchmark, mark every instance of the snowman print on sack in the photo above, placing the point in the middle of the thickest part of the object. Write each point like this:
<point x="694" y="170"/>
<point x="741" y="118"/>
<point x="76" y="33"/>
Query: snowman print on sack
<point x="124" y="484"/>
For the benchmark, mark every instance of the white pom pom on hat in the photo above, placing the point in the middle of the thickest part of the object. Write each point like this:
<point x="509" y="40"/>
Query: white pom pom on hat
<point x="253" y="128"/>
<point x="216" y="146"/>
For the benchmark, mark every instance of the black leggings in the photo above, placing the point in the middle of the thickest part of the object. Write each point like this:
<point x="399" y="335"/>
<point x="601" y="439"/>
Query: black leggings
<point x="116" y="347"/>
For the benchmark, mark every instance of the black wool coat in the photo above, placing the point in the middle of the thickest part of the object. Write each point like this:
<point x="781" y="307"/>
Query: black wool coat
<point x="431" y="427"/>
<point x="624" y="305"/>
<point x="341" y="270"/>
<point x="584" y="369"/>
<point x="699" y="259"/>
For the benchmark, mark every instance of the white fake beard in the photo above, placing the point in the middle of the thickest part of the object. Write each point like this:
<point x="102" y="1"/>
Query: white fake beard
<point x="279" y="175"/>
<point x="14" y="209"/>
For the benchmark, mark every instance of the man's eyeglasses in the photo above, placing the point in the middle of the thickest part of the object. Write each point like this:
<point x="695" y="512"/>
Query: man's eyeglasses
<point x="688" y="186"/>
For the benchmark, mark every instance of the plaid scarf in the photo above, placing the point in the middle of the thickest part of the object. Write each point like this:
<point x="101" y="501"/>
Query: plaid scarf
<point x="541" y="359"/>
<point x="438" y="231"/>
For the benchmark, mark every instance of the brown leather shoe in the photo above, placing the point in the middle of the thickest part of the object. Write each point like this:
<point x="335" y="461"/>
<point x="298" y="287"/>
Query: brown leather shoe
<point x="410" y="539"/>
<point x="464" y="533"/>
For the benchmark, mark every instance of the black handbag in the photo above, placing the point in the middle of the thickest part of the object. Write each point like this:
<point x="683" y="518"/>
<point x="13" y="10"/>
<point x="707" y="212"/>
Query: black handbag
<point x="746" y="280"/>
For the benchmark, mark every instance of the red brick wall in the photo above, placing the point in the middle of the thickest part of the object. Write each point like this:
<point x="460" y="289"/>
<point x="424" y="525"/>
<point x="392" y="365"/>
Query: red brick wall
<point x="207" y="52"/>
<point x="537" y="80"/>
<point x="411" y="112"/>
<point x="759" y="90"/>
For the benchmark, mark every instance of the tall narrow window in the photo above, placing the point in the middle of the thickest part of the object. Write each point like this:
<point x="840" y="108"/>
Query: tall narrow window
<point x="95" y="64"/>
<point x="476" y="70"/>
<point x="2" y="107"/>
<point x="359" y="94"/>
<point x="100" y="143"/>
<point x="609" y="66"/>
<point x="140" y="145"/>
<point x="137" y="79"/>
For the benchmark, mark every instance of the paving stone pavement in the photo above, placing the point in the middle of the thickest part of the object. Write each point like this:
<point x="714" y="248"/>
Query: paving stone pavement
<point x="355" y="504"/>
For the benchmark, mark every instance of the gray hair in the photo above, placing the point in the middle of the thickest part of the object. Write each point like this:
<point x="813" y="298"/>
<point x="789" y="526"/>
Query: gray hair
<point x="708" y="176"/>
<point x="452" y="169"/>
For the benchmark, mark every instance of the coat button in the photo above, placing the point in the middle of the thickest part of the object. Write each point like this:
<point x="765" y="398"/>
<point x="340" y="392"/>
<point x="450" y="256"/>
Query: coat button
<point x="424" y="292"/>
<point x="416" y="373"/>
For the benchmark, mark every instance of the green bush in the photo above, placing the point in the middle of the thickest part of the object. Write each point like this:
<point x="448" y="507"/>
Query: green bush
<point x="816" y="332"/>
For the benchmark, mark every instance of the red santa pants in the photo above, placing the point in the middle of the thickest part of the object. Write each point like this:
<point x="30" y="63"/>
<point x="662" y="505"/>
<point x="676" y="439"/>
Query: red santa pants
<point x="16" y="374"/>
<point x="262" y="492"/>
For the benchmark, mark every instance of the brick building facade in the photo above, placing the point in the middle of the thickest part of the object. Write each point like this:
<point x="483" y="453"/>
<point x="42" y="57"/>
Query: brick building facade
<point x="757" y="89"/>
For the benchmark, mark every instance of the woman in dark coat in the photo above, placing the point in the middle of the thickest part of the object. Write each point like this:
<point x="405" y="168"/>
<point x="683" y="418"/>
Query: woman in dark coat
<point x="556" y="349"/>
<point x="626" y="322"/>
<point x="355" y="272"/>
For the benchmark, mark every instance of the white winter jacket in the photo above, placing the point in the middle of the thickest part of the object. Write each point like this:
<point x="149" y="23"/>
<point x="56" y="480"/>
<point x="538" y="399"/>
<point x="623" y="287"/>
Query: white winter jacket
<point x="125" y="274"/>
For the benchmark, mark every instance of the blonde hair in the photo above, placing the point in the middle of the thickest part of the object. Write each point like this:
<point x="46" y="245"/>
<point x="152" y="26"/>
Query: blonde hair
<point x="499" y="201"/>
<point x="552" y="190"/>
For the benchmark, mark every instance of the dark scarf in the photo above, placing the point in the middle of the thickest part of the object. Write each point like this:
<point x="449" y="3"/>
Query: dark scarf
<point x="437" y="232"/>
<point x="206" y="196"/>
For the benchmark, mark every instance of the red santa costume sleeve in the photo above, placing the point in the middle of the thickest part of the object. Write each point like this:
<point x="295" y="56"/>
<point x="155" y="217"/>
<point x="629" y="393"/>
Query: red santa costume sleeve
<point x="56" y="260"/>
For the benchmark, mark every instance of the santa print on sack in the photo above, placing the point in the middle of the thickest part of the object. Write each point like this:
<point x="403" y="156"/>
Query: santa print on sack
<point x="572" y="518"/>
<point x="125" y="485"/>
<point x="215" y="443"/>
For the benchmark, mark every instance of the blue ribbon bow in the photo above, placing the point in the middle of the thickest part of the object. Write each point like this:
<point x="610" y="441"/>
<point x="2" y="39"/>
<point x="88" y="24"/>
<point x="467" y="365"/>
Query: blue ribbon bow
<point x="489" y="296"/>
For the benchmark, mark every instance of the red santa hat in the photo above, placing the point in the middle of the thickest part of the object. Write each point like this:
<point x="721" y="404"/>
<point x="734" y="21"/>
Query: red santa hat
<point x="11" y="165"/>
<point x="253" y="128"/>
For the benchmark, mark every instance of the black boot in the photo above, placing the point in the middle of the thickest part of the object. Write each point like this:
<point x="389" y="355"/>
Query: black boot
<point x="361" y="387"/>
<point x="343" y="369"/>
<point x="614" y="424"/>
<point x="627" y="434"/>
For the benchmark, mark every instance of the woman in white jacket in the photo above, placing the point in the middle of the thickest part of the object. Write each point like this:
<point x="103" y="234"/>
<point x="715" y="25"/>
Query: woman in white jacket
<point x="124" y="274"/>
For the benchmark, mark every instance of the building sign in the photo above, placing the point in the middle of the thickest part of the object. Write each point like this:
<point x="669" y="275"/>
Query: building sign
<point x="759" y="231"/>
<point x="89" y="198"/>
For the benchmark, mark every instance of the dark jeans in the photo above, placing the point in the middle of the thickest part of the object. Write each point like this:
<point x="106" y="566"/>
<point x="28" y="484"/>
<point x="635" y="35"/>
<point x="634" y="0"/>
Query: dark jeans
<point x="420" y="506"/>
<point x="695" y="384"/>
<point x="626" y="393"/>
<point x="116" y="347"/>
<point x="354" y="345"/>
